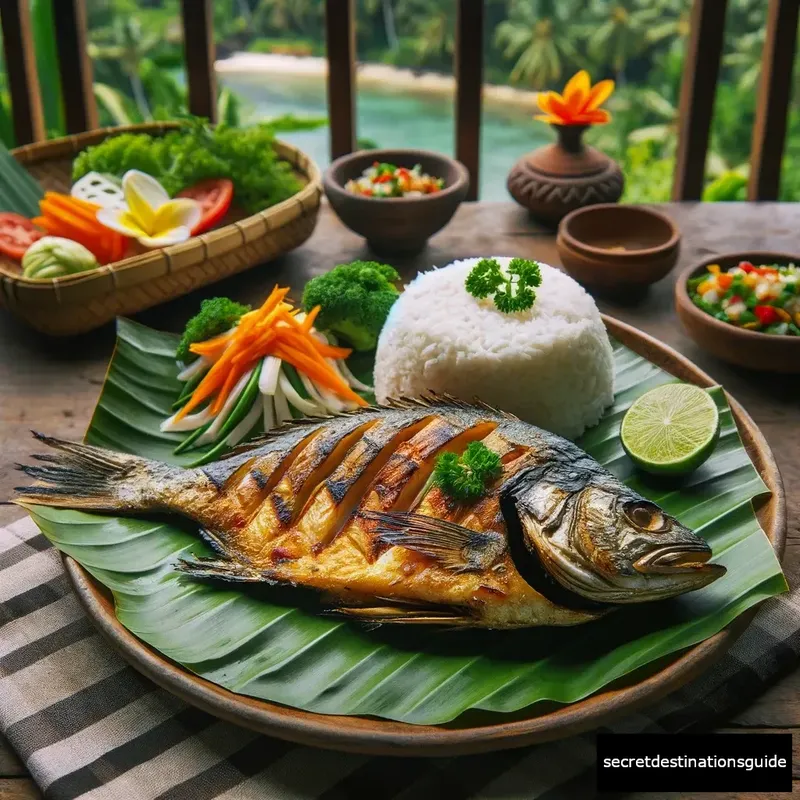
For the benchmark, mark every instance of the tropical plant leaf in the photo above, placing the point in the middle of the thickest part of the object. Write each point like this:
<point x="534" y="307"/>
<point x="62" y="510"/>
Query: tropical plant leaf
<point x="276" y="647"/>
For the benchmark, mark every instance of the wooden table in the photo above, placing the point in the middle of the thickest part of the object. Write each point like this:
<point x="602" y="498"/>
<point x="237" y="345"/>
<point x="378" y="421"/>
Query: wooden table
<point x="52" y="385"/>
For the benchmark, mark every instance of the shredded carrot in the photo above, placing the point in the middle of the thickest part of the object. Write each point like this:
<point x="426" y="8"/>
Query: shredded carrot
<point x="270" y="329"/>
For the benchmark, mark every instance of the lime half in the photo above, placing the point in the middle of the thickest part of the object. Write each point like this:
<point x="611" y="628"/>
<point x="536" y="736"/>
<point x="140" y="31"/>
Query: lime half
<point x="671" y="430"/>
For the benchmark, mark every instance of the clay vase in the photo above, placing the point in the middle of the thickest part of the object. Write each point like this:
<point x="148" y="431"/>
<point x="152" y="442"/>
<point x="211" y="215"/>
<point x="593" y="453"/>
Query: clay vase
<point x="558" y="178"/>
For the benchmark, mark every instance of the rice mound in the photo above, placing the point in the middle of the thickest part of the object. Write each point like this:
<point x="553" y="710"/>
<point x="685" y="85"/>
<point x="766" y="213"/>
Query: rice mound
<point x="551" y="365"/>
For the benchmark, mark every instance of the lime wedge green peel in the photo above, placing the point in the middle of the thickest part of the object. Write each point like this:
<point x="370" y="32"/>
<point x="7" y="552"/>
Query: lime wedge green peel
<point x="671" y="430"/>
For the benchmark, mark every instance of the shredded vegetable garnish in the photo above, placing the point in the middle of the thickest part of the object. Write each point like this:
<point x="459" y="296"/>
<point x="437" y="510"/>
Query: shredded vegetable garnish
<point x="272" y="352"/>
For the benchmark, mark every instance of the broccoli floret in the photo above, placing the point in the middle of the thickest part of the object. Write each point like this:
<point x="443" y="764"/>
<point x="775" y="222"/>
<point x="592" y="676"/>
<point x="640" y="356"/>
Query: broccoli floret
<point x="355" y="300"/>
<point x="216" y="315"/>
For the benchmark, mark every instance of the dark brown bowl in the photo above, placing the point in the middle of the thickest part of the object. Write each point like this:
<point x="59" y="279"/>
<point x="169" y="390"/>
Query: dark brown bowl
<point x="588" y="238"/>
<point x="762" y="351"/>
<point x="396" y="225"/>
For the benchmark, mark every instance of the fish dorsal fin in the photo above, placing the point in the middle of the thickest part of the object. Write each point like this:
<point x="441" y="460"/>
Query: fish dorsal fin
<point x="431" y="399"/>
<point x="453" y="546"/>
<point x="294" y="424"/>
<point x="426" y="400"/>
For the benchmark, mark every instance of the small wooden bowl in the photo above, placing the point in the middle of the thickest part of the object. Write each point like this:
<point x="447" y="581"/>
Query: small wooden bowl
<point x="396" y="225"/>
<point x="589" y="238"/>
<point x="761" y="351"/>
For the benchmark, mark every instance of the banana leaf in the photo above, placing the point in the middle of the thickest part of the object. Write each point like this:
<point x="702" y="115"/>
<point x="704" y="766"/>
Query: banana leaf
<point x="273" y="644"/>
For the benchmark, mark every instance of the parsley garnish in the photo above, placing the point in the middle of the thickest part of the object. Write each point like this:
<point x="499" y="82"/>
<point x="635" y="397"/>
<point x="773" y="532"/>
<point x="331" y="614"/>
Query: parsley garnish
<point x="512" y="289"/>
<point x="465" y="477"/>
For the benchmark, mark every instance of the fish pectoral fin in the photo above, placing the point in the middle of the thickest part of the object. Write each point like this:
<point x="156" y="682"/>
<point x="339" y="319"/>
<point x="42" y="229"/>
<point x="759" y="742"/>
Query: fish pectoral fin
<point x="379" y="615"/>
<point x="453" y="546"/>
<point x="227" y="570"/>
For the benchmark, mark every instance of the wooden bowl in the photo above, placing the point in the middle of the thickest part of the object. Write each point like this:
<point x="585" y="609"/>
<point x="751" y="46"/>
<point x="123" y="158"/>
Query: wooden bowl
<point x="473" y="732"/>
<point x="590" y="242"/>
<point x="761" y="351"/>
<point x="396" y="225"/>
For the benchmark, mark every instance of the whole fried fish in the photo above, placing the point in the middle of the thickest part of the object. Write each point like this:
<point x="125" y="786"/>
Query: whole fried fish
<point x="344" y="505"/>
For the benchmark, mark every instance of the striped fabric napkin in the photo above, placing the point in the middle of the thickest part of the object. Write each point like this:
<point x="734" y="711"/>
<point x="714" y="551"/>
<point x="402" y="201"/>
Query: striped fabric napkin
<point x="87" y="725"/>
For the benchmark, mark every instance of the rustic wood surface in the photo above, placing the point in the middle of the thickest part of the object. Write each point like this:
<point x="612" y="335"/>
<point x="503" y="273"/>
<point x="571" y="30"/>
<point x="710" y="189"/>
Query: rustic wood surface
<point x="52" y="384"/>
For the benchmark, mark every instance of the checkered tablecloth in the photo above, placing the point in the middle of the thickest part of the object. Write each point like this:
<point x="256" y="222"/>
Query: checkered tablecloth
<point x="87" y="725"/>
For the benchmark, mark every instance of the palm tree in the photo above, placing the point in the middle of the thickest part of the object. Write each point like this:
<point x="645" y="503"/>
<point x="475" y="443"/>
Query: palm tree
<point x="747" y="58"/>
<point x="388" y="16"/>
<point x="673" y="21"/>
<point x="539" y="36"/>
<point x="126" y="43"/>
<point x="433" y="24"/>
<point x="619" y="32"/>
<point x="286" y="15"/>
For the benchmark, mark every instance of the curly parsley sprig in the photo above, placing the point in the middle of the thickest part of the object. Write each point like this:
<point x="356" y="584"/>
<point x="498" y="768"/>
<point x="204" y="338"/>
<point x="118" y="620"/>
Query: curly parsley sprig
<point x="513" y="289"/>
<point x="465" y="477"/>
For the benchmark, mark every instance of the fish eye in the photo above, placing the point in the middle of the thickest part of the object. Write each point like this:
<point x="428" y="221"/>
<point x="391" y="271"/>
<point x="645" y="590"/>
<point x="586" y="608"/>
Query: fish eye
<point x="646" y="516"/>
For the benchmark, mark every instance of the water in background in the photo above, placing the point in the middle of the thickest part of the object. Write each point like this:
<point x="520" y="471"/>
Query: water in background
<point x="394" y="117"/>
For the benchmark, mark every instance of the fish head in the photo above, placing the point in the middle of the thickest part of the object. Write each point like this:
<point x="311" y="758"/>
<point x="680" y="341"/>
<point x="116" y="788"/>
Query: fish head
<point x="608" y="544"/>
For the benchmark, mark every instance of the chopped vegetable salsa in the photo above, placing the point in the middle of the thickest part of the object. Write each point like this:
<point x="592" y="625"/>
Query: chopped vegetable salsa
<point x="763" y="298"/>
<point x="388" y="180"/>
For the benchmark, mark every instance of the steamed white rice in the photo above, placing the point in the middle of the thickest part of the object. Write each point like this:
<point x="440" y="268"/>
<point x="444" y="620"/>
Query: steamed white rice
<point x="551" y="365"/>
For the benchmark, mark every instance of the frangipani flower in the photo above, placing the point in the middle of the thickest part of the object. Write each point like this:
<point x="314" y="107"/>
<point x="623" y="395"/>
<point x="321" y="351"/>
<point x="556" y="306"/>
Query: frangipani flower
<point x="580" y="103"/>
<point x="150" y="215"/>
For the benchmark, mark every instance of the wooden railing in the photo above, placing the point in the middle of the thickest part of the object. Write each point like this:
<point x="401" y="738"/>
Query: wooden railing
<point x="701" y="71"/>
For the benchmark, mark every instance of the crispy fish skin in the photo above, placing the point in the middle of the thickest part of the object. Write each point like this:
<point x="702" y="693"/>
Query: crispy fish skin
<point x="344" y="505"/>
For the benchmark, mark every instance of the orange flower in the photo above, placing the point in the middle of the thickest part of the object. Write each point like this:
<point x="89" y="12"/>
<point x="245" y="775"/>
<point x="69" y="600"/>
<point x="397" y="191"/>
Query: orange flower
<point x="580" y="103"/>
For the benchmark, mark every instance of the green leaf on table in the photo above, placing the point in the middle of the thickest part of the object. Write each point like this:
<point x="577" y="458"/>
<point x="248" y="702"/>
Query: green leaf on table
<point x="273" y="646"/>
<point x="19" y="191"/>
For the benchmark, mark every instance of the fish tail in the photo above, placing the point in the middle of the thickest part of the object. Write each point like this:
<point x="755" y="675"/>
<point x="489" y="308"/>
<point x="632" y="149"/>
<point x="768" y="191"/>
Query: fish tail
<point x="87" y="477"/>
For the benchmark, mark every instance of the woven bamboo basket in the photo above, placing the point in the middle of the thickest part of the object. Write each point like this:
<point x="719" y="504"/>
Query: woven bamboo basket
<point x="78" y="303"/>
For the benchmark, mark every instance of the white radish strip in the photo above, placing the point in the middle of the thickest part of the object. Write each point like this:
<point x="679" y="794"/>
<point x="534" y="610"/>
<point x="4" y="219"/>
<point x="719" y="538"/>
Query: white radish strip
<point x="189" y="423"/>
<point x="197" y="366"/>
<point x="331" y="401"/>
<point x="311" y="389"/>
<point x="348" y="376"/>
<point x="269" y="413"/>
<point x="300" y="403"/>
<point x="268" y="380"/>
<point x="282" y="412"/>
<point x="211" y="434"/>
<point x="243" y="428"/>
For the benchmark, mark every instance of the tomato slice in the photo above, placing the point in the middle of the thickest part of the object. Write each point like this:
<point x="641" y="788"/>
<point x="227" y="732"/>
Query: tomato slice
<point x="215" y="196"/>
<point x="17" y="234"/>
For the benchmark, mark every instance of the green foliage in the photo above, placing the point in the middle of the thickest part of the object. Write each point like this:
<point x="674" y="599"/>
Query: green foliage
<point x="216" y="315"/>
<point x="465" y="478"/>
<point x="513" y="289"/>
<point x="288" y="47"/>
<point x="728" y="186"/>
<point x="195" y="152"/>
<point x="355" y="300"/>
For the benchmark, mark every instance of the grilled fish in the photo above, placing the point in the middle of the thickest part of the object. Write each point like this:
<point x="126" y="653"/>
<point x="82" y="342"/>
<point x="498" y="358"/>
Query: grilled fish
<point x="344" y="505"/>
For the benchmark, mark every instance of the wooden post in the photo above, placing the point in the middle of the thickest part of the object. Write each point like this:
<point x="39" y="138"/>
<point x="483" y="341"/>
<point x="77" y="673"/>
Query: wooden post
<point x="23" y="83"/>
<point x="340" y="37"/>
<point x="698" y="89"/>
<point x="75" y="66"/>
<point x="200" y="54"/>
<point x="774" y="96"/>
<point x="469" y="87"/>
